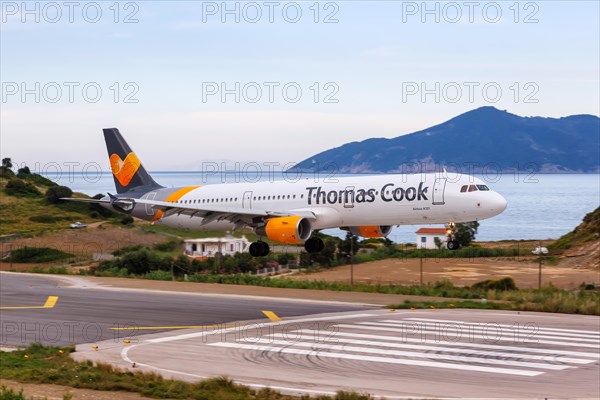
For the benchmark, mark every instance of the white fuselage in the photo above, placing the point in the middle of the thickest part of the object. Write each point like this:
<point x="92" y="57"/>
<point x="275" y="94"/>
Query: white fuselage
<point x="349" y="201"/>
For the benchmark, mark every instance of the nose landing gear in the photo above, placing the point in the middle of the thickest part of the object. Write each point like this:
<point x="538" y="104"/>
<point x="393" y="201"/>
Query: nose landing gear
<point x="451" y="242"/>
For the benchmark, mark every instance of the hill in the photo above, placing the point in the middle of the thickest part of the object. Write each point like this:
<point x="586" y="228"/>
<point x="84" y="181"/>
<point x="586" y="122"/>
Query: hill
<point x="24" y="208"/>
<point x="479" y="137"/>
<point x="581" y="247"/>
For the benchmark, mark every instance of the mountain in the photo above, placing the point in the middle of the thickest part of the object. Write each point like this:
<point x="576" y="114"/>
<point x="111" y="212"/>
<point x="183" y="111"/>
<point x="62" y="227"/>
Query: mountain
<point x="487" y="138"/>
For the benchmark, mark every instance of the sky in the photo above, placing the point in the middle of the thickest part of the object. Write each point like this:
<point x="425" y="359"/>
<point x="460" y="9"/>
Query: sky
<point x="190" y="82"/>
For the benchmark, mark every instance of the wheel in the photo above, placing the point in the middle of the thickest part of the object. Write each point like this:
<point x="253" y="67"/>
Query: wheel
<point x="255" y="249"/>
<point x="452" y="245"/>
<point x="264" y="249"/>
<point x="314" y="245"/>
<point x="259" y="249"/>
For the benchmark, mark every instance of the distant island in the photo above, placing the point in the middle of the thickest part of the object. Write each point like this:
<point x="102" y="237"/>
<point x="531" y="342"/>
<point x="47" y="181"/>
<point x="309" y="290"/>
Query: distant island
<point x="482" y="140"/>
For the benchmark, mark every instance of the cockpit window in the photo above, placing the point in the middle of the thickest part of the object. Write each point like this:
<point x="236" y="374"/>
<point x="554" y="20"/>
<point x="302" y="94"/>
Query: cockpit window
<point x="472" y="188"/>
<point x="483" y="187"/>
<point x="464" y="188"/>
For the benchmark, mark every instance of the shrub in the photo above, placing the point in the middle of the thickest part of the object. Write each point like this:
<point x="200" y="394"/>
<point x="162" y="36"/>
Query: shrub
<point x="503" y="284"/>
<point x="18" y="187"/>
<point x="127" y="249"/>
<point x="127" y="220"/>
<point x="49" y="219"/>
<point x="136" y="262"/>
<point x="37" y="255"/>
<point x="171" y="245"/>
<point x="55" y="193"/>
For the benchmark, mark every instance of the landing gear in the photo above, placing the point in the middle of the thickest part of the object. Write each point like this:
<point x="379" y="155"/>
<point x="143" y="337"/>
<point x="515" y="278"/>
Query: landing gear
<point x="451" y="242"/>
<point x="259" y="249"/>
<point x="452" y="245"/>
<point x="314" y="245"/>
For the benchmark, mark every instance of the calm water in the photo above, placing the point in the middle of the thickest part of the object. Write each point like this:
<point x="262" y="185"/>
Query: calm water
<point x="539" y="207"/>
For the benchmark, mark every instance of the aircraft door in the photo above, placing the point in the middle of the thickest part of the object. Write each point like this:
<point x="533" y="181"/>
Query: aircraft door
<point x="148" y="207"/>
<point x="349" y="197"/>
<point x="247" y="200"/>
<point x="438" y="191"/>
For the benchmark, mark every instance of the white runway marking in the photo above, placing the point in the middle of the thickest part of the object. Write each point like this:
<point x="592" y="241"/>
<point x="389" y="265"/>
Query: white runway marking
<point x="532" y="355"/>
<point x="489" y="329"/>
<point x="574" y="332"/>
<point x="389" y="360"/>
<point x="319" y="346"/>
<point x="446" y="349"/>
<point x="462" y="344"/>
<point x="472" y="336"/>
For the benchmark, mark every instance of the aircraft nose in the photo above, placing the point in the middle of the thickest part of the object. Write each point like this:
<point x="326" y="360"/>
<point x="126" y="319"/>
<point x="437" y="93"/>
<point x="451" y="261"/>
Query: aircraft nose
<point x="498" y="203"/>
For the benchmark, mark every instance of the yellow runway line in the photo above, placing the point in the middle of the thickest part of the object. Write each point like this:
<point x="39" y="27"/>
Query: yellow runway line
<point x="50" y="303"/>
<point x="134" y="328"/>
<point x="271" y="315"/>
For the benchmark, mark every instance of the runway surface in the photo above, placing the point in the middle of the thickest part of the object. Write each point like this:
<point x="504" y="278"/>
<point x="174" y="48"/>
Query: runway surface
<point x="432" y="353"/>
<point x="316" y="347"/>
<point x="85" y="313"/>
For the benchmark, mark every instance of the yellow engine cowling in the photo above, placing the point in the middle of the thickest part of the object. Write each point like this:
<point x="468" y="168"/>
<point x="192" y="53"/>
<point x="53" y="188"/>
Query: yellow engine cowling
<point x="377" y="231"/>
<point x="289" y="230"/>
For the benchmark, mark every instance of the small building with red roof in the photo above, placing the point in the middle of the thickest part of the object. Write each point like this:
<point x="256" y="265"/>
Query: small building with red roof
<point x="426" y="237"/>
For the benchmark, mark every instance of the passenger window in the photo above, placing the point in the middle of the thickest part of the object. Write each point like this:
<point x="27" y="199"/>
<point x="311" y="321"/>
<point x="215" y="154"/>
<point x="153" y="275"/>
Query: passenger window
<point x="464" y="188"/>
<point x="472" y="188"/>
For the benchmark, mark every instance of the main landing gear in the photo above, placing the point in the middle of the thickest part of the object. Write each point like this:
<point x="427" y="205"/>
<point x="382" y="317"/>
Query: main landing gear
<point x="259" y="249"/>
<point x="314" y="245"/>
<point x="451" y="242"/>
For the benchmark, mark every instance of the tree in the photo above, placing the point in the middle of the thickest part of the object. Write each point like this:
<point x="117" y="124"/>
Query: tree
<point x="24" y="171"/>
<point x="325" y="257"/>
<point x="7" y="163"/>
<point x="465" y="233"/>
<point x="54" y="194"/>
<point x="438" y="242"/>
<point x="345" y="245"/>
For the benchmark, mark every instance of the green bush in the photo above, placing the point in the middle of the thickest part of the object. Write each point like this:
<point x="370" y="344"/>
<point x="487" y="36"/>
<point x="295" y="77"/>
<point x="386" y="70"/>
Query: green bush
<point x="9" y="394"/>
<point x="49" y="219"/>
<point x="55" y="193"/>
<point x="37" y="255"/>
<point x="137" y="262"/>
<point x="169" y="246"/>
<point x="18" y="187"/>
<point x="127" y="220"/>
<point x="503" y="284"/>
<point x="127" y="249"/>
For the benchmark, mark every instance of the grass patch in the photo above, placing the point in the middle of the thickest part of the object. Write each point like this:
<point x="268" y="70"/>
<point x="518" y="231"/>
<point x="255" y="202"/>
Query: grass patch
<point x="37" y="255"/>
<point x="485" y="305"/>
<point x="52" y="365"/>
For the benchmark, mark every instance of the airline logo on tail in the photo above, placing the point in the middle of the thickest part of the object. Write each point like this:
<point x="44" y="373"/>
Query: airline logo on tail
<point x="124" y="170"/>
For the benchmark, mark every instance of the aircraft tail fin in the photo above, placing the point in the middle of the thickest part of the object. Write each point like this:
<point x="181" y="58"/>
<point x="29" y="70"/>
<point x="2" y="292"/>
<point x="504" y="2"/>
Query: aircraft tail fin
<point x="128" y="171"/>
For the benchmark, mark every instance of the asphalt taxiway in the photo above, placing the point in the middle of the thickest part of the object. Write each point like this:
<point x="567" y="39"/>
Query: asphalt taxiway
<point x="88" y="313"/>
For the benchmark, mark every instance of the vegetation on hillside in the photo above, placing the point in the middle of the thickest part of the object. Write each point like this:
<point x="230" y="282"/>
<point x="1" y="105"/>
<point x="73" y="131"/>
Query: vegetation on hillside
<point x="30" y="203"/>
<point x="588" y="230"/>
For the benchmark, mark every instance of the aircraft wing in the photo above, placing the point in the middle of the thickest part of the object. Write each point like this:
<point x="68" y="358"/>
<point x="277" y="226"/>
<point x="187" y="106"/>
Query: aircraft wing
<point x="240" y="216"/>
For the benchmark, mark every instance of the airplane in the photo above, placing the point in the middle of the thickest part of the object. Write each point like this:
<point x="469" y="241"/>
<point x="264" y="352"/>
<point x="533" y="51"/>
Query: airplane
<point x="292" y="212"/>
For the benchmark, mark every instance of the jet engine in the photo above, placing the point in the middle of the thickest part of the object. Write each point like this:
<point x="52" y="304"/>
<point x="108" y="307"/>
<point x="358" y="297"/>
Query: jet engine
<point x="377" y="231"/>
<point x="289" y="230"/>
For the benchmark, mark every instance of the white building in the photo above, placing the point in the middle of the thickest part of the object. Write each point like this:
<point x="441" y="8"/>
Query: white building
<point x="426" y="237"/>
<point x="208" y="247"/>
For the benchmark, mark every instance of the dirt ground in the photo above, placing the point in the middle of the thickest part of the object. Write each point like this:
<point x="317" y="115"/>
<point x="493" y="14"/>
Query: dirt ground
<point x="461" y="272"/>
<point x="56" y="392"/>
<point x="97" y="239"/>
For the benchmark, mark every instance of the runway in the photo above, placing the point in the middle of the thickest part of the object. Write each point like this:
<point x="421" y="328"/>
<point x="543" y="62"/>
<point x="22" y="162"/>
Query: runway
<point x="85" y="313"/>
<point x="318" y="347"/>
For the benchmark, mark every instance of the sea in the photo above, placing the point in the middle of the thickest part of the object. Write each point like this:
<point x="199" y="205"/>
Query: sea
<point x="540" y="206"/>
